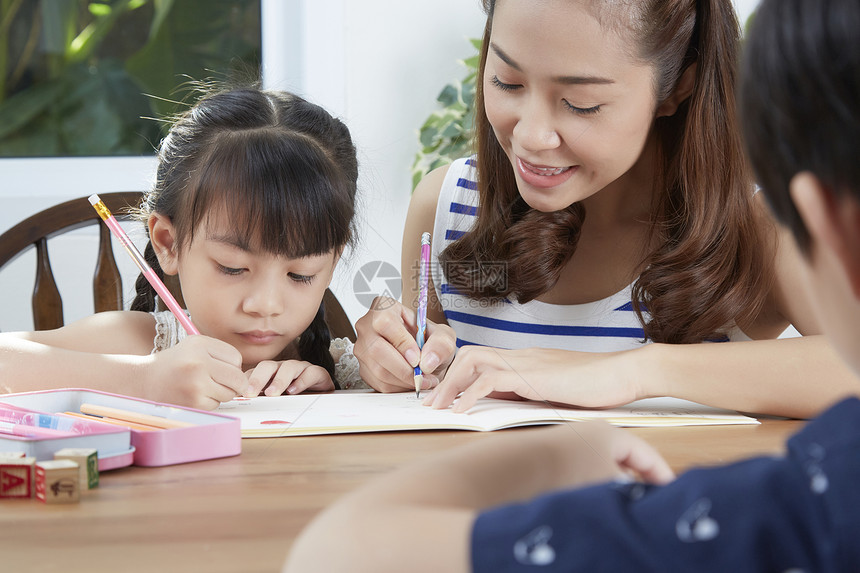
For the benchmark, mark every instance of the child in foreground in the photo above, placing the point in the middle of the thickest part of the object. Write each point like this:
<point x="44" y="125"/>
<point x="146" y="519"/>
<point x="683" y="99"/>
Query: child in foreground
<point x="252" y="207"/>
<point x="476" y="508"/>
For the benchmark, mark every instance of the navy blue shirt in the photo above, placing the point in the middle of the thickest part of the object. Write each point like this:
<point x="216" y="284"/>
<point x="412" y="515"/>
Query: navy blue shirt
<point x="792" y="514"/>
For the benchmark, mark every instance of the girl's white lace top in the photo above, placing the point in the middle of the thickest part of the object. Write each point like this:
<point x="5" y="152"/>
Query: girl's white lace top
<point x="169" y="333"/>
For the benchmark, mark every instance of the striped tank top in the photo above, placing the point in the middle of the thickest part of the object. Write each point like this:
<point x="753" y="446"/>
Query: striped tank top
<point x="605" y="325"/>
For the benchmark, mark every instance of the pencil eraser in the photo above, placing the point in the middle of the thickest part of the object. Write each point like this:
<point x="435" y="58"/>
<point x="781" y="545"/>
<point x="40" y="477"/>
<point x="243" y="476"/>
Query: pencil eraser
<point x="58" y="481"/>
<point x="16" y="477"/>
<point x="94" y="199"/>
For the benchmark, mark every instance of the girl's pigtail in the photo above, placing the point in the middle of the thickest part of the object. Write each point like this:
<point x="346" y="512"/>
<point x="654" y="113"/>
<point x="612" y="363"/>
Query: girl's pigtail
<point x="314" y="344"/>
<point x="144" y="299"/>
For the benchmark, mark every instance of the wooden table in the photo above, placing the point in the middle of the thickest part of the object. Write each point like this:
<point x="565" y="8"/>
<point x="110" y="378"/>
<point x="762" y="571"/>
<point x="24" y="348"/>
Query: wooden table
<point x="241" y="514"/>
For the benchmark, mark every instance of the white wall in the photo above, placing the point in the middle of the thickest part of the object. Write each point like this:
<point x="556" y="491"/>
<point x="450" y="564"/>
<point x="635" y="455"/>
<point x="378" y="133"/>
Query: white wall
<point x="745" y="8"/>
<point x="378" y="64"/>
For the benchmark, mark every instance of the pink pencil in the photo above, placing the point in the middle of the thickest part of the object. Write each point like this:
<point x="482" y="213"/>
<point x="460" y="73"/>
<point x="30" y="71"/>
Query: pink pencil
<point x="14" y="419"/>
<point x="28" y="431"/>
<point x="141" y="263"/>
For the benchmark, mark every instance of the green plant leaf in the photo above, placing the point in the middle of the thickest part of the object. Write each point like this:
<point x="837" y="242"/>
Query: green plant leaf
<point x="97" y="9"/>
<point x="446" y="133"/>
<point x="162" y="10"/>
<point x="21" y="108"/>
<point x="40" y="139"/>
<point x="82" y="101"/>
<point x="452" y="130"/>
<point x="188" y="46"/>
<point x="428" y="136"/>
<point x="85" y="44"/>
<point x="59" y="25"/>
<point x="98" y="115"/>
<point x="449" y="95"/>
<point x="472" y="63"/>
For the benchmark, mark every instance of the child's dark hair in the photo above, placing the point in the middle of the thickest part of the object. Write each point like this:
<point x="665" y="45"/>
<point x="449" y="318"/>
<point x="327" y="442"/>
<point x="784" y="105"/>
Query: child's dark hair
<point x="800" y="99"/>
<point x="285" y="170"/>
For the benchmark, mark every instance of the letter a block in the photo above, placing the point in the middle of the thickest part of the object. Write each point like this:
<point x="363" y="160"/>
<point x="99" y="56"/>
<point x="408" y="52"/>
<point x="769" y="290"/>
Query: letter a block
<point x="58" y="481"/>
<point x="88" y="464"/>
<point x="16" y="477"/>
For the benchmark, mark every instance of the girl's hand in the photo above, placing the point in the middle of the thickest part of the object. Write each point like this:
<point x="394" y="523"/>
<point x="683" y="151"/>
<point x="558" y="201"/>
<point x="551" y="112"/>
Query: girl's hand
<point x="273" y="378"/>
<point x="585" y="379"/>
<point x="388" y="353"/>
<point x="200" y="372"/>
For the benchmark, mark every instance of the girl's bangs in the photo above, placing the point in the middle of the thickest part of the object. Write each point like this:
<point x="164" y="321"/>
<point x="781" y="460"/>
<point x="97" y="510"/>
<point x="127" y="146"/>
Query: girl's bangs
<point x="278" y="194"/>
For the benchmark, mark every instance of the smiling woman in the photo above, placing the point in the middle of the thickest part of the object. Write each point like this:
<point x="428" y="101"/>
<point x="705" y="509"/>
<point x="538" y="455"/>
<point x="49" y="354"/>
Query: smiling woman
<point x="587" y="129"/>
<point x="605" y="233"/>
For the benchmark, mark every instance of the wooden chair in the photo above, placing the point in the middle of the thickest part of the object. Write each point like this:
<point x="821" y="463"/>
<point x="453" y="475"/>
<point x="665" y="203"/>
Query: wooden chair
<point x="336" y="318"/>
<point x="107" y="284"/>
<point x="37" y="229"/>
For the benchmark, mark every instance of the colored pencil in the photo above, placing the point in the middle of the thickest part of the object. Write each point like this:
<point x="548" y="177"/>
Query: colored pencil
<point x="114" y="422"/>
<point x="141" y="263"/>
<point x="137" y="417"/>
<point x="28" y="431"/>
<point x="421" y="321"/>
<point x="37" y="420"/>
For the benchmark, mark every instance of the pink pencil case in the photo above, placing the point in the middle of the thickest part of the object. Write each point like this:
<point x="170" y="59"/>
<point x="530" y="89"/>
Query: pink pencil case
<point x="40" y="434"/>
<point x="211" y="435"/>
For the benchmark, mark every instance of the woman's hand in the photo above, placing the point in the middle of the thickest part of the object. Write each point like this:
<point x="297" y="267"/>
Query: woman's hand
<point x="274" y="377"/>
<point x="200" y="372"/>
<point x="387" y="352"/>
<point x="585" y="379"/>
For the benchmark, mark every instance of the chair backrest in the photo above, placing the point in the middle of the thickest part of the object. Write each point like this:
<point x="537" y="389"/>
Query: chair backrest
<point x="107" y="283"/>
<point x="336" y="318"/>
<point x="35" y="232"/>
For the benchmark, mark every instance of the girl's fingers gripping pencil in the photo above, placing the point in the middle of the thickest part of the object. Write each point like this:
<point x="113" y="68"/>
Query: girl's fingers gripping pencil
<point x="141" y="263"/>
<point x="424" y="275"/>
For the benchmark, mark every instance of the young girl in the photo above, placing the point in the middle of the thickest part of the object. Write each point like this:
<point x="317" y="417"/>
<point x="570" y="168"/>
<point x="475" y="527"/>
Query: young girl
<point x="252" y="208"/>
<point x="608" y="206"/>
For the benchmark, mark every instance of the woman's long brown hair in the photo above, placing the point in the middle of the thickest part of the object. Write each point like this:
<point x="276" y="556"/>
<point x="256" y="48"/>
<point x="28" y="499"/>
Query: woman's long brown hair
<point x="709" y="268"/>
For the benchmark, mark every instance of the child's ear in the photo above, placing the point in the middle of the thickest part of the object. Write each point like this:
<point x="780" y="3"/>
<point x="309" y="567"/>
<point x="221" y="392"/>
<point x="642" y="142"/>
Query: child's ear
<point x="833" y="222"/>
<point x="162" y="234"/>
<point x="682" y="91"/>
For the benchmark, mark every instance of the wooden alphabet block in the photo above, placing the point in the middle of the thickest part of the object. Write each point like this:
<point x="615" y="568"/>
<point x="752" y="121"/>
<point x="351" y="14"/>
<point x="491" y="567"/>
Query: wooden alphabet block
<point x="58" y="481"/>
<point x="16" y="477"/>
<point x="88" y="464"/>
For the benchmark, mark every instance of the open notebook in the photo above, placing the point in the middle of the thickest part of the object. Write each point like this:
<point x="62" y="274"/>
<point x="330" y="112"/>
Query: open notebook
<point x="348" y="412"/>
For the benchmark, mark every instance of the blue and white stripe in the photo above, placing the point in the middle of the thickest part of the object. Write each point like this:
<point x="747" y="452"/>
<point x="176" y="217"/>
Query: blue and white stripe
<point x="602" y="326"/>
